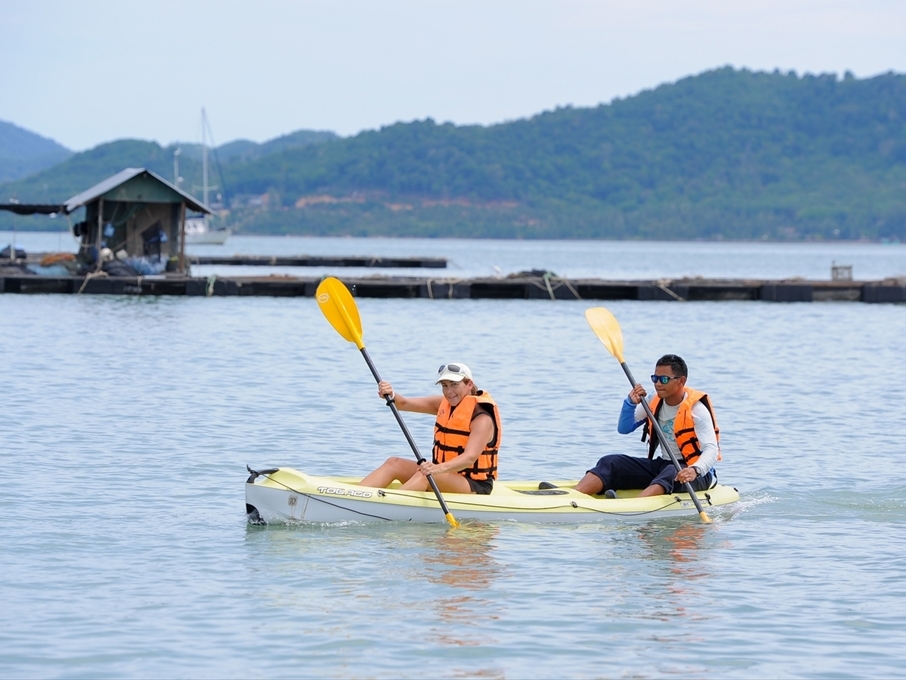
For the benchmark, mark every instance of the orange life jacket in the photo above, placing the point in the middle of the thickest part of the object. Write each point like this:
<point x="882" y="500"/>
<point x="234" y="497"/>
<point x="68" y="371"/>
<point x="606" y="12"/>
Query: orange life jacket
<point x="451" y="433"/>
<point x="683" y="428"/>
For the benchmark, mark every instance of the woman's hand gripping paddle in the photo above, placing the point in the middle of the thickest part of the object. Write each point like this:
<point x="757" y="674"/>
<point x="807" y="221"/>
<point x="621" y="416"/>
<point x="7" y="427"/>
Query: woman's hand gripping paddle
<point x="338" y="305"/>
<point x="605" y="326"/>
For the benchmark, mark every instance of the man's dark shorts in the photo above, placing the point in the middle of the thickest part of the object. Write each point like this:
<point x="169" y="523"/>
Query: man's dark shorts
<point x="619" y="471"/>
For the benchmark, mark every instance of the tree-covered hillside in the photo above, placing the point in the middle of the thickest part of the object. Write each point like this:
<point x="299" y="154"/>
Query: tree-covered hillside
<point x="244" y="150"/>
<point x="728" y="153"/>
<point x="82" y="170"/>
<point x="725" y="154"/>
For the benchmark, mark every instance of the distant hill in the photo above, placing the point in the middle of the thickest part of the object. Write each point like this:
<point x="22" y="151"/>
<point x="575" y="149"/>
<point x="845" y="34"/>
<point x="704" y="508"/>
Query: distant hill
<point x="295" y="140"/>
<point x="82" y="170"/>
<point x="728" y="154"/>
<point x="244" y="150"/>
<point x="725" y="154"/>
<point x="24" y="153"/>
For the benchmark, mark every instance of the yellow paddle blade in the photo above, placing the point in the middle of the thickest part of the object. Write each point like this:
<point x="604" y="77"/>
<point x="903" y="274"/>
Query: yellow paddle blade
<point x="338" y="306"/>
<point x="605" y="326"/>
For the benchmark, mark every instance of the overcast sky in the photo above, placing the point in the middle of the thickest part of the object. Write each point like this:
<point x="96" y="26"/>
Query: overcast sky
<point x="88" y="72"/>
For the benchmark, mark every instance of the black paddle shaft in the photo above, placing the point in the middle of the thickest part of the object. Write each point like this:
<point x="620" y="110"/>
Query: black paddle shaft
<point x="399" y="419"/>
<point x="396" y="413"/>
<point x="662" y="438"/>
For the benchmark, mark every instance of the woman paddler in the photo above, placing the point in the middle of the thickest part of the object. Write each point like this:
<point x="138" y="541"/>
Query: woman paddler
<point x="466" y="437"/>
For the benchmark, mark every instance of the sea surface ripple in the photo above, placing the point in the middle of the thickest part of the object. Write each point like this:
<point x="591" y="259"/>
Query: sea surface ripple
<point x="127" y="425"/>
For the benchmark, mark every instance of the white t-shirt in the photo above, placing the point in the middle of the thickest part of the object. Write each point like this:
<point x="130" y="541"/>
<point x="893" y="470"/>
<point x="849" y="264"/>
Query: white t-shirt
<point x="704" y="430"/>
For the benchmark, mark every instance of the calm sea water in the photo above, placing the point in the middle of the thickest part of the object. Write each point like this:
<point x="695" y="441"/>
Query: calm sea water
<point x="127" y="424"/>
<point x="576" y="259"/>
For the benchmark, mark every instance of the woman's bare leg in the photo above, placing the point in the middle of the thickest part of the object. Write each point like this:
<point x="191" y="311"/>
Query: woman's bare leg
<point x="392" y="469"/>
<point x="451" y="482"/>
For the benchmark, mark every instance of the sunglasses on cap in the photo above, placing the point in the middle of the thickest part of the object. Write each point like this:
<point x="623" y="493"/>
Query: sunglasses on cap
<point x="664" y="379"/>
<point x="453" y="368"/>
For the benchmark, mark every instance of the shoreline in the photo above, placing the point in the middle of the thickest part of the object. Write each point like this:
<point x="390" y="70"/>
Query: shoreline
<point x="893" y="242"/>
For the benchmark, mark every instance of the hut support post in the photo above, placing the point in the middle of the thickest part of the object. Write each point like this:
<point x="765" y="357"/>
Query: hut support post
<point x="100" y="233"/>
<point x="182" y="237"/>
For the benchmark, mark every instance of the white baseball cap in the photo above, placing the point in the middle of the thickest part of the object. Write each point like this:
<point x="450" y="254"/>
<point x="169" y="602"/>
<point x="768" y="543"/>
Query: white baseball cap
<point x="455" y="372"/>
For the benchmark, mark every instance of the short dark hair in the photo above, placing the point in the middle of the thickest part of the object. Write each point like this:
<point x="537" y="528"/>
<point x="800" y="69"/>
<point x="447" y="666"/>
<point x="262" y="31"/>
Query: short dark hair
<point x="676" y="364"/>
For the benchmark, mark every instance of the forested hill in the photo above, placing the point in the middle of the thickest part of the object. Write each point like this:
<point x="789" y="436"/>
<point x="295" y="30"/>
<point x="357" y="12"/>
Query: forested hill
<point x="730" y="154"/>
<point x="725" y="154"/>
<point x="82" y="170"/>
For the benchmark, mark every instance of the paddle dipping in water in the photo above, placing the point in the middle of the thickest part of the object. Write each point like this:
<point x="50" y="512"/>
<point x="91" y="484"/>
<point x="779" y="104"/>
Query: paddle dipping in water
<point x="339" y="308"/>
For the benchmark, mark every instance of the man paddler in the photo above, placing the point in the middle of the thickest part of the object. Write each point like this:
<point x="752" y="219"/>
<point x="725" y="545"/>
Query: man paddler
<point x="686" y="418"/>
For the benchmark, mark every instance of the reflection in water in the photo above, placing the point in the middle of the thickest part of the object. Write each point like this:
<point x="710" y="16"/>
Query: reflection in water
<point x="678" y="545"/>
<point x="461" y="558"/>
<point x="330" y="584"/>
<point x="456" y="567"/>
<point x="681" y="551"/>
<point x="678" y="593"/>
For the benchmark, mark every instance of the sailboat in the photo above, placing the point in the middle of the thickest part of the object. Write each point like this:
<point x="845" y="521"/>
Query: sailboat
<point x="198" y="230"/>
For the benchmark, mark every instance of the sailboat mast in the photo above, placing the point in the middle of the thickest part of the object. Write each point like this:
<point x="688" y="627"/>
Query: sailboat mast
<point x="204" y="159"/>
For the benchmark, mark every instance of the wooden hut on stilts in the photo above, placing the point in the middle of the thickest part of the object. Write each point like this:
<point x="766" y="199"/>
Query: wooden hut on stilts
<point x="134" y="215"/>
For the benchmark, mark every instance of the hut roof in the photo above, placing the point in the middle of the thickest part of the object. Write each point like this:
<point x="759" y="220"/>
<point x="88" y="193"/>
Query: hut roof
<point x="132" y="184"/>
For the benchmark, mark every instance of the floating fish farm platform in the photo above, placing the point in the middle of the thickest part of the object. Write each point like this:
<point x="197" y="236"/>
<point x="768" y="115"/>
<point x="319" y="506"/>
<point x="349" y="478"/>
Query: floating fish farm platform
<point x="511" y="288"/>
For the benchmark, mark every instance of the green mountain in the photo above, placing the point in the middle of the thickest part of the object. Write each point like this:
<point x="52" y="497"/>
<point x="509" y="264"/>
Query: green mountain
<point x="724" y="154"/>
<point x="244" y="150"/>
<point x="82" y="170"/>
<point x="24" y="153"/>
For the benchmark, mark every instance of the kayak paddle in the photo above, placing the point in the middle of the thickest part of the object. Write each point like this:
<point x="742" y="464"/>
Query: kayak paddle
<point x="606" y="327"/>
<point x="338" y="306"/>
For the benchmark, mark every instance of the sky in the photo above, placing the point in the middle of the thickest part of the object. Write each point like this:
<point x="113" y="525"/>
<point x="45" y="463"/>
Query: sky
<point x="84" y="73"/>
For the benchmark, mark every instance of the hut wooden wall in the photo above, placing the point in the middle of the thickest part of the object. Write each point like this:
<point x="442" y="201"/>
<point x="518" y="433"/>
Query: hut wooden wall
<point x="130" y="221"/>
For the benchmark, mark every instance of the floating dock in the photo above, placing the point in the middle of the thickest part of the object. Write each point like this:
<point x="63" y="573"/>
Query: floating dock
<point x="514" y="288"/>
<point x="314" y="261"/>
<point x="299" y="261"/>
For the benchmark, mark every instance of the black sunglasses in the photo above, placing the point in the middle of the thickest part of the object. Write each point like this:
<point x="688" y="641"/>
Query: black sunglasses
<point x="453" y="368"/>
<point x="664" y="379"/>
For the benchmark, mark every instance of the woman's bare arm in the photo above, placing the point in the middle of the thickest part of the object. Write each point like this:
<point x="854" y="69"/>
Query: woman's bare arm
<point x="428" y="404"/>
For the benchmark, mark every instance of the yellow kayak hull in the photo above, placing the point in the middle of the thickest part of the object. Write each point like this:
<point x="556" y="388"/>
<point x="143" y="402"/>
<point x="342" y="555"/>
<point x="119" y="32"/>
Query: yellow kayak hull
<point x="285" y="495"/>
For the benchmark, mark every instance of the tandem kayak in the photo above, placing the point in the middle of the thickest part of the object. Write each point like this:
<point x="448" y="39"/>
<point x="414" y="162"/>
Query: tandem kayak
<point x="285" y="495"/>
